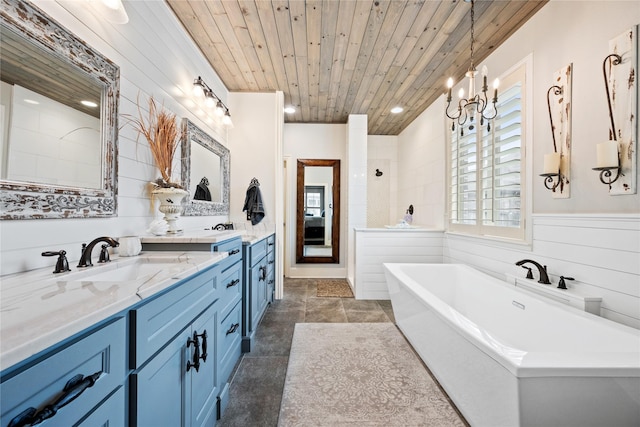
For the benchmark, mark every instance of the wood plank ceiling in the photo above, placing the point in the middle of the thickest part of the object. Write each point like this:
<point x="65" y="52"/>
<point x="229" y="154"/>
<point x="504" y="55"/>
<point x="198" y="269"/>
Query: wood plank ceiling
<point x="332" y="58"/>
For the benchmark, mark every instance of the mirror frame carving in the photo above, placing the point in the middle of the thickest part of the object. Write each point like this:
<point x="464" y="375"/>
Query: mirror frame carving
<point x="24" y="200"/>
<point x="335" y="220"/>
<point x="202" y="207"/>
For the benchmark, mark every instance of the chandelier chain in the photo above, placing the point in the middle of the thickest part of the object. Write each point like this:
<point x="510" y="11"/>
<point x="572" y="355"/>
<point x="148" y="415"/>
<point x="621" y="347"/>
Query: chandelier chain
<point x="472" y="32"/>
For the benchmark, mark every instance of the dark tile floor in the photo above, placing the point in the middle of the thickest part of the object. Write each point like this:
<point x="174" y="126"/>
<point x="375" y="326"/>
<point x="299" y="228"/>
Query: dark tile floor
<point x="258" y="381"/>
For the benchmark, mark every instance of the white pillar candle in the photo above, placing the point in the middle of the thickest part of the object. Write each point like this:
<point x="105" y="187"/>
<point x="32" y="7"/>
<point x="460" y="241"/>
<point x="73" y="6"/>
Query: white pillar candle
<point x="552" y="163"/>
<point x="607" y="154"/>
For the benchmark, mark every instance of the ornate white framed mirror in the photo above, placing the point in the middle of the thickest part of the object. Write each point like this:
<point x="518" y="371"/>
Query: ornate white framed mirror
<point x="59" y="116"/>
<point x="205" y="172"/>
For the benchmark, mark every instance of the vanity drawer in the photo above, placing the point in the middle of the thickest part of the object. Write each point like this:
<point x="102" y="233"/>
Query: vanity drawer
<point x="231" y="288"/>
<point x="229" y="343"/>
<point x="271" y="259"/>
<point x="111" y="413"/>
<point x="233" y="247"/>
<point x="102" y="352"/>
<point x="153" y="324"/>
<point x="257" y="251"/>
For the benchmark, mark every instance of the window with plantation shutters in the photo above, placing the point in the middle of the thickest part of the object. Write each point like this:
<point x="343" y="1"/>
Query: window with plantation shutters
<point x="486" y="165"/>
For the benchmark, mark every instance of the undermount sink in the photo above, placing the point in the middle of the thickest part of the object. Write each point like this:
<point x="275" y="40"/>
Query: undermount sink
<point x="132" y="269"/>
<point x="127" y="273"/>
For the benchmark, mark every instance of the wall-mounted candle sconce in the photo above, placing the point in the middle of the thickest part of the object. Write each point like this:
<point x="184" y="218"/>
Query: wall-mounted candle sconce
<point x="557" y="164"/>
<point x="616" y="158"/>
<point x="607" y="155"/>
<point x="378" y="172"/>
<point x="211" y="100"/>
<point x="552" y="162"/>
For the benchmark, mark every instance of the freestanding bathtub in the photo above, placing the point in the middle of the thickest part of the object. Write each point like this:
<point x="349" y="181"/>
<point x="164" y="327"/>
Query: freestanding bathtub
<point x="508" y="358"/>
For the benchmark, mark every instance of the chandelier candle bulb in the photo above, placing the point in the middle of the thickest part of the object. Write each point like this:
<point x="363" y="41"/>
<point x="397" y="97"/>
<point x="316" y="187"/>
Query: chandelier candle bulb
<point x="552" y="163"/>
<point x="449" y="86"/>
<point x="607" y="154"/>
<point x="485" y="71"/>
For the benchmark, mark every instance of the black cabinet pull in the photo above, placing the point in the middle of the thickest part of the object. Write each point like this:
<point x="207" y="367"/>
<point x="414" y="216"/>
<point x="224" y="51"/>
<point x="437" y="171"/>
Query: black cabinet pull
<point x="235" y="251"/>
<point x="233" y="328"/>
<point x="204" y="345"/>
<point x="233" y="283"/>
<point x="263" y="273"/>
<point x="271" y="244"/>
<point x="71" y="391"/>
<point x="271" y="281"/>
<point x="272" y="262"/>
<point x="197" y="353"/>
<point x="195" y="361"/>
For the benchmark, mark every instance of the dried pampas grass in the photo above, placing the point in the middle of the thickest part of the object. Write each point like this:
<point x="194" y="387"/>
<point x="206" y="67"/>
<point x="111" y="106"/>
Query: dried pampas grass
<point x="160" y="129"/>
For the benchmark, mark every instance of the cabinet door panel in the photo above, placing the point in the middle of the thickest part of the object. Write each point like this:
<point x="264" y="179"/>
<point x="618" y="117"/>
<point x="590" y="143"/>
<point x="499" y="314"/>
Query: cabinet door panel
<point x="159" y="320"/>
<point x="229" y="337"/>
<point x="103" y="351"/>
<point x="257" y="294"/>
<point x="204" y="381"/>
<point x="159" y="387"/>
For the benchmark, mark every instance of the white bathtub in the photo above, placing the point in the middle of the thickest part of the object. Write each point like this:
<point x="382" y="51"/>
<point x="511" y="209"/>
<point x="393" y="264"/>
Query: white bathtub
<point x="508" y="358"/>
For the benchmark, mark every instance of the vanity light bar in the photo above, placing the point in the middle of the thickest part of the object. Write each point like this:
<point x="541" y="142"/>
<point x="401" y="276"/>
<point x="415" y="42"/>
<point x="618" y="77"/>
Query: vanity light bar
<point x="200" y="89"/>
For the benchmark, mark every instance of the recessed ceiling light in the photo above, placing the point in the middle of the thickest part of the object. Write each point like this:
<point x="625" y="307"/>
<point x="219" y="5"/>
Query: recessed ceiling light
<point x="31" y="101"/>
<point x="89" y="104"/>
<point x="289" y="110"/>
<point x="396" y="110"/>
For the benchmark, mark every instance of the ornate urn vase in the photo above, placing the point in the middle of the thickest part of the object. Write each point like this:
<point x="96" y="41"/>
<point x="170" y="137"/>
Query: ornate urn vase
<point x="171" y="205"/>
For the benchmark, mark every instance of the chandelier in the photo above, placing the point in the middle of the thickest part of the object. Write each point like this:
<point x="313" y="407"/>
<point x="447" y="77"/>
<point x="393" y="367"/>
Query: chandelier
<point x="475" y="103"/>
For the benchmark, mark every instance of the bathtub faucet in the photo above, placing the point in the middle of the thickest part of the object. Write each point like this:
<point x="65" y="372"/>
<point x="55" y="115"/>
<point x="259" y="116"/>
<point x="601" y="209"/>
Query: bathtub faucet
<point x="544" y="278"/>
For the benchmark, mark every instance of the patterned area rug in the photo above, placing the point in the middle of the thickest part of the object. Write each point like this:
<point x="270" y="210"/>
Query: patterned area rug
<point x="359" y="374"/>
<point x="338" y="288"/>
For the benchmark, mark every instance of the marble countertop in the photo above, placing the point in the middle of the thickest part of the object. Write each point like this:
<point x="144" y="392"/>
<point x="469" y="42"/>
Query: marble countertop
<point x="250" y="239"/>
<point x="39" y="309"/>
<point x="208" y="236"/>
<point x="193" y="236"/>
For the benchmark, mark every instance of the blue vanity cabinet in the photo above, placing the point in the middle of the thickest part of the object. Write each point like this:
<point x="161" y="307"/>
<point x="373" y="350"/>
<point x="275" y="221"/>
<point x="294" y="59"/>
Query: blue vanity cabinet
<point x="256" y="284"/>
<point x="229" y="291"/>
<point x="98" y="353"/>
<point x="175" y="389"/>
<point x="174" y="355"/>
<point x="271" y="267"/>
<point x="230" y="316"/>
<point x="229" y="343"/>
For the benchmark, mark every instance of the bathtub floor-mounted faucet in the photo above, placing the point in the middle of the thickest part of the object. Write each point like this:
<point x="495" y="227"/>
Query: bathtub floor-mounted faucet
<point x="544" y="278"/>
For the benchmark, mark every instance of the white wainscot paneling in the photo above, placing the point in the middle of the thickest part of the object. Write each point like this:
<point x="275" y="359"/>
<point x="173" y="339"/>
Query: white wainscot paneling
<point x="377" y="246"/>
<point x="602" y="252"/>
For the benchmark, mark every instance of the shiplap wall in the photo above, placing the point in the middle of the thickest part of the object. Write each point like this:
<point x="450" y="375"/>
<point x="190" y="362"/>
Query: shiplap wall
<point x="156" y="57"/>
<point x="377" y="246"/>
<point x="602" y="252"/>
